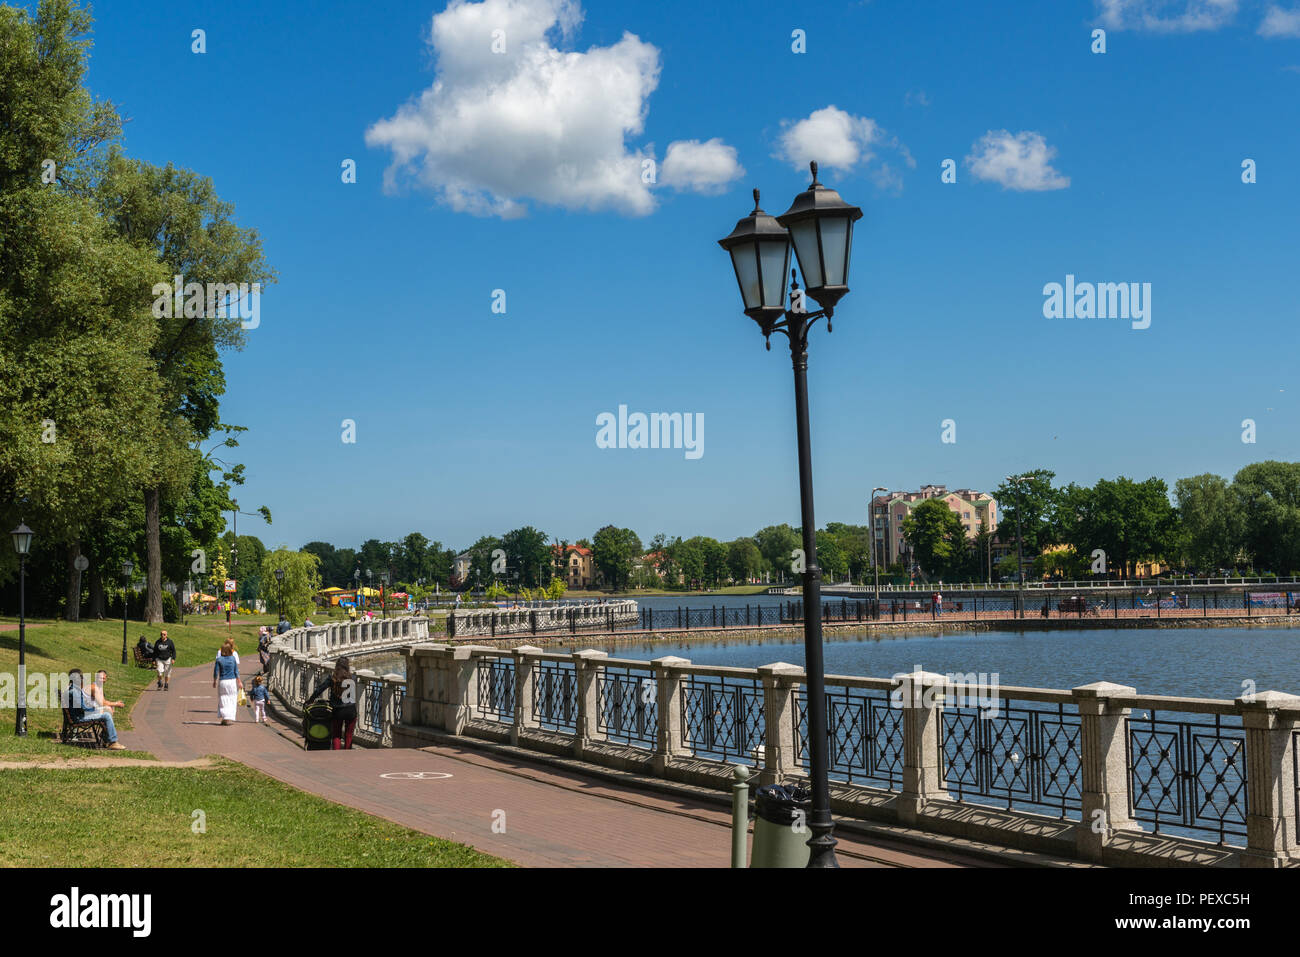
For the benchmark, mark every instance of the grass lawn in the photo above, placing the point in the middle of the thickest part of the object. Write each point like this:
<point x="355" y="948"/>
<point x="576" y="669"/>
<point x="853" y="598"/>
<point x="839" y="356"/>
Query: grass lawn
<point x="56" y="646"/>
<point x="143" y="817"/>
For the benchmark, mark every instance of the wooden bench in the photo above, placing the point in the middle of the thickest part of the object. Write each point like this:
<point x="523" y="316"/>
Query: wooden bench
<point x="92" y="732"/>
<point x="141" y="659"/>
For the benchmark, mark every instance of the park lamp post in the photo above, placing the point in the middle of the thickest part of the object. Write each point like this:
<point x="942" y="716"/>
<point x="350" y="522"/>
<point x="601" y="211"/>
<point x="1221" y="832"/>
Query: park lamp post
<point x="819" y="224"/>
<point x="22" y="536"/>
<point x="383" y="594"/>
<point x="356" y="597"/>
<point x="370" y="585"/>
<point x="875" y="562"/>
<point x="127" y="569"/>
<point x="279" y="586"/>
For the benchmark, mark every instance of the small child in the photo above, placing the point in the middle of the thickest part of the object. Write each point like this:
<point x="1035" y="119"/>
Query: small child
<point x="258" y="697"/>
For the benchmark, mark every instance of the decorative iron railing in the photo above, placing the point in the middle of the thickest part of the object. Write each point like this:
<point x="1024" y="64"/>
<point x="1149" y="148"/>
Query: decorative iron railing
<point x="1188" y="773"/>
<point x="722" y="717"/>
<point x="555" y="696"/>
<point x="1026" y="756"/>
<point x="865" y="735"/>
<point x="627" y="708"/>
<point x="496" y="689"/>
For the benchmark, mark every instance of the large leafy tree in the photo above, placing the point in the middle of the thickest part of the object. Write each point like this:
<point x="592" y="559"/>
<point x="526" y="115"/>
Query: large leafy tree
<point x="744" y="560"/>
<point x="529" y="554"/>
<point x="936" y="536"/>
<point x="1210" y="523"/>
<point x="301" y="582"/>
<point x="777" y="542"/>
<point x="1031" y="508"/>
<point x="1129" y="521"/>
<point x="614" y="550"/>
<point x="176" y="216"/>
<point x="1268" y="496"/>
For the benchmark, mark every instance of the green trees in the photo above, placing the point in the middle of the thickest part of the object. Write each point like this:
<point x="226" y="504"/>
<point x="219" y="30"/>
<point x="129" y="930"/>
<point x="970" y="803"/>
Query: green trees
<point x="1267" y="498"/>
<point x="301" y="582"/>
<point x="614" y="550"/>
<point x="744" y="560"/>
<point x="1211" y="531"/>
<point x="937" y="538"/>
<point x="777" y="542"/>
<point x="528" y="556"/>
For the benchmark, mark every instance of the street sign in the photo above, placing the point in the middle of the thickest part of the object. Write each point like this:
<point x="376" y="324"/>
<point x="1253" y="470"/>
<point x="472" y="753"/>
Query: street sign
<point x="81" y="563"/>
<point x="230" y="586"/>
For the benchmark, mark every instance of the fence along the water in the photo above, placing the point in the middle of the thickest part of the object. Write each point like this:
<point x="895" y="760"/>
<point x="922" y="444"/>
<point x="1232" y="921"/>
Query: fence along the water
<point x="1180" y="768"/>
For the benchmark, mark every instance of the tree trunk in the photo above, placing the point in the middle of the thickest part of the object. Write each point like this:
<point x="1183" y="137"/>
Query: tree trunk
<point x="96" y="607"/>
<point x="153" y="546"/>
<point x="73" y="610"/>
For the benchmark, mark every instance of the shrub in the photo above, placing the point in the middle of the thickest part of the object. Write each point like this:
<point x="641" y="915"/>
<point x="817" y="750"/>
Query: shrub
<point x="171" y="611"/>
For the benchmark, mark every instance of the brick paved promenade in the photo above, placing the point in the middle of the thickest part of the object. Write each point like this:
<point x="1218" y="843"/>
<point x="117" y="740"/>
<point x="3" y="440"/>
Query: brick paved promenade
<point x="552" y="817"/>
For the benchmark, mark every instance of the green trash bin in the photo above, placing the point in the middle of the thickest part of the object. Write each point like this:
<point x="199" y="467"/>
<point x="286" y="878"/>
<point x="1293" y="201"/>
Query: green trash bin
<point x="780" y="827"/>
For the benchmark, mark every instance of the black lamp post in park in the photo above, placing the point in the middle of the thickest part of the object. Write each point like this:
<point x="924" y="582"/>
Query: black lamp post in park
<point x="127" y="569"/>
<point x="383" y="594"/>
<point x="279" y="586"/>
<point x="820" y="225"/>
<point x="22" y="536"/>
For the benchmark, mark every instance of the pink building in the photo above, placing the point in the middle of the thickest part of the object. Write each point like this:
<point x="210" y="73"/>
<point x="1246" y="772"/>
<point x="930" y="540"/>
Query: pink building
<point x="975" y="509"/>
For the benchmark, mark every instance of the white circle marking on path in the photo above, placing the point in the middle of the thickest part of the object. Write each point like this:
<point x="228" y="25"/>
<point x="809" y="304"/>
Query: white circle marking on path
<point x="415" y="775"/>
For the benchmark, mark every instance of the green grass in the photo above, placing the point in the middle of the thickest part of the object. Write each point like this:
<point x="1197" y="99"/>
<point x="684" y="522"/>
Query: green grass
<point x="143" y="817"/>
<point x="56" y="646"/>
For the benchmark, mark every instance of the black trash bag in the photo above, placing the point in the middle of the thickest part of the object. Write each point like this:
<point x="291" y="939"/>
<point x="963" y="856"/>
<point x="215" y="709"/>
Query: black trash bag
<point x="782" y="804"/>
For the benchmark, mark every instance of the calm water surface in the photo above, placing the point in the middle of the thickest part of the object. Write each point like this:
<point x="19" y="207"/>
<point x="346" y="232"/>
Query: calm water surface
<point x="1201" y="662"/>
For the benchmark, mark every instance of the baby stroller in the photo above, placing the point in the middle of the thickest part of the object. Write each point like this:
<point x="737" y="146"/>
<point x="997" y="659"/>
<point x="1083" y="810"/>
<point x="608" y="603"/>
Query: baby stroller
<point x="318" y="725"/>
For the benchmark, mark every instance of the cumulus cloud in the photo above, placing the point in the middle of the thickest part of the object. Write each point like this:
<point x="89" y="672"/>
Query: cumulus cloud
<point x="704" y="167"/>
<point x="1020" y="162"/>
<point x="840" y="140"/>
<point x="1280" y="23"/>
<point x="511" y="117"/>
<point x="1166" y="16"/>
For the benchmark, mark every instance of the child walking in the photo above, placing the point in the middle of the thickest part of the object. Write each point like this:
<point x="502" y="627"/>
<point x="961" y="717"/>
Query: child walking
<point x="258" y="696"/>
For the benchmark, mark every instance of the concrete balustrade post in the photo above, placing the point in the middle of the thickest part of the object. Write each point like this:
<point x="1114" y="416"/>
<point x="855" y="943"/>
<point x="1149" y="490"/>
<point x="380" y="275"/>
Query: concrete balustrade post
<point x="779" y="756"/>
<point x="525" y="657"/>
<point x="921" y="696"/>
<point x="586" y="666"/>
<point x="1271" y="720"/>
<point x="670" y="683"/>
<point x="1103" y="767"/>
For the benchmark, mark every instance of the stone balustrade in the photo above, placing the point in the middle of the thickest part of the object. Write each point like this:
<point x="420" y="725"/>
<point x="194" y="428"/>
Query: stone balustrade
<point x="1099" y="773"/>
<point x="541" y="619"/>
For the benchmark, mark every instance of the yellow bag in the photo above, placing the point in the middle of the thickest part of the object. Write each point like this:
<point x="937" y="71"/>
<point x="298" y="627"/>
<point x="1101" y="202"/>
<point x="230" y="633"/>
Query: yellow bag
<point x="243" y="698"/>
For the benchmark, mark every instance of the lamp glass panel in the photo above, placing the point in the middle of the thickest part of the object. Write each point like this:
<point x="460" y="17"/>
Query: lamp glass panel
<point x="804" y="235"/>
<point x="775" y="257"/>
<point x="835" y="239"/>
<point x="746" y="263"/>
<point x="23" y="543"/>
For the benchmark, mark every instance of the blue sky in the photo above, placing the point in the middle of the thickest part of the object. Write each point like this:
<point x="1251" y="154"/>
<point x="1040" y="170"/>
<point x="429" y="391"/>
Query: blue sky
<point x="1115" y="167"/>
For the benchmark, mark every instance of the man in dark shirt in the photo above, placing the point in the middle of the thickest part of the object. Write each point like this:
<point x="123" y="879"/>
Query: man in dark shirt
<point x="164" y="655"/>
<point x="284" y="626"/>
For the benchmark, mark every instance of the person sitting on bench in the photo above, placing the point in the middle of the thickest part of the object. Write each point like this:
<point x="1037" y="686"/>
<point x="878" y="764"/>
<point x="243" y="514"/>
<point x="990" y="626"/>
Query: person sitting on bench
<point x="82" y="707"/>
<point x="144" y="647"/>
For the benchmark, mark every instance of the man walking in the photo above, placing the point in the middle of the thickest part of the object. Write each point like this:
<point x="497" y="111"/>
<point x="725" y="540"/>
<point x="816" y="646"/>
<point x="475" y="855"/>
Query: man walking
<point x="164" y="655"/>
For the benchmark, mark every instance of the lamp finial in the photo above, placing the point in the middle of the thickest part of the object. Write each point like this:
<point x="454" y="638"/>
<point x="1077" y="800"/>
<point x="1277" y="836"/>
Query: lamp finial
<point x="813" y="167"/>
<point x="756" y="206"/>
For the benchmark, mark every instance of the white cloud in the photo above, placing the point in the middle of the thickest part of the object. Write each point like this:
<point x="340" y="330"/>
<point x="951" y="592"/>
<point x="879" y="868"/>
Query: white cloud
<point x="497" y="129"/>
<point x="840" y="140"/>
<point x="1280" y="23"/>
<point x="1166" y="16"/>
<point x="705" y="167"/>
<point x="1021" y="162"/>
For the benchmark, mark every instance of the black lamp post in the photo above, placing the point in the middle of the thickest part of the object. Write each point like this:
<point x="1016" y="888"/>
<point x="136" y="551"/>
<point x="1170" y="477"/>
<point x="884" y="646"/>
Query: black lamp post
<point x="127" y="569"/>
<point x="370" y="585"/>
<point x="356" y="598"/>
<point x="23" y="546"/>
<point x="383" y="594"/>
<point x="1015" y="480"/>
<point x="820" y="225"/>
<point x="279" y="586"/>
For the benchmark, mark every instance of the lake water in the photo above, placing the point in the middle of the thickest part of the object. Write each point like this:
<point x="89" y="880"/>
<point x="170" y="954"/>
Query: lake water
<point x="1200" y="662"/>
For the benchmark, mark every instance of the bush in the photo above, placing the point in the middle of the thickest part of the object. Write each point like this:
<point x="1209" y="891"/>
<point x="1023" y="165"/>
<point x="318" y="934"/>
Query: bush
<point x="171" y="611"/>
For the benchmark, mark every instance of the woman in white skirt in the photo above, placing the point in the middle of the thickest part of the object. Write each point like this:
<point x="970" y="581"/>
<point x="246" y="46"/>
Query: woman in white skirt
<point x="225" y="677"/>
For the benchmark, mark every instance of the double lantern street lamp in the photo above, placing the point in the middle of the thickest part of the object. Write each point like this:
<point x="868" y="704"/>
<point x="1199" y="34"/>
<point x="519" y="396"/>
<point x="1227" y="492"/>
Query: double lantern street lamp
<point x="820" y="225"/>
<point x="22" y="536"/>
<point x="279" y="585"/>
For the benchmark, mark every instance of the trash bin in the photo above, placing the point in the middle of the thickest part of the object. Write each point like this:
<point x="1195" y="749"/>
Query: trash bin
<point x="780" y="827"/>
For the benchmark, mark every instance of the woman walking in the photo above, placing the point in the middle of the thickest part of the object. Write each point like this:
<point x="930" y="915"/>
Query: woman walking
<point x="225" y="670"/>
<point x="343" y="699"/>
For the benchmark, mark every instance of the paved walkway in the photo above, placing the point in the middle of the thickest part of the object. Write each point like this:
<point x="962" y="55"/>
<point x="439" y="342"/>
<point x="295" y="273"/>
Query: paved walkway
<point x="551" y="817"/>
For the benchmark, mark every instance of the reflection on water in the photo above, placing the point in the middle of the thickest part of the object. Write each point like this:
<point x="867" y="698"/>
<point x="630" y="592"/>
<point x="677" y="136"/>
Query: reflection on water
<point x="1202" y="662"/>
